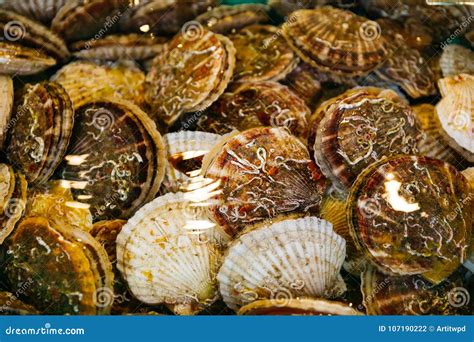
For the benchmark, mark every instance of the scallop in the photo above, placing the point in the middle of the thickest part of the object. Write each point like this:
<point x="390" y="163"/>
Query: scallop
<point x="171" y="233"/>
<point x="19" y="60"/>
<point x="116" y="159"/>
<point x="305" y="82"/>
<point x="40" y="10"/>
<point x="336" y="41"/>
<point x="284" y="260"/>
<point x="262" y="173"/>
<point x="6" y="106"/>
<point x="411" y="215"/>
<point x="455" y="60"/>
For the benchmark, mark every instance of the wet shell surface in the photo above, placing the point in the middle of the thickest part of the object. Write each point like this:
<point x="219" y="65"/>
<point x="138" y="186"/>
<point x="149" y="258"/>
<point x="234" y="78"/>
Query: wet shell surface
<point x="85" y="81"/>
<point x="116" y="158"/>
<point x="263" y="173"/>
<point x="42" y="118"/>
<point x="456" y="60"/>
<point x="360" y="127"/>
<point x="285" y="260"/>
<point x="19" y="60"/>
<point x="410" y="295"/>
<point x="335" y="40"/>
<point x="185" y="152"/>
<point x="228" y="19"/>
<point x="411" y="215"/>
<point x="170" y="233"/>
<point x="83" y="19"/>
<point x="190" y="75"/>
<point x="40" y="10"/>
<point x="256" y="104"/>
<point x="455" y="113"/>
<point x="10" y="305"/>
<point x="6" y="105"/>
<point x="261" y="54"/>
<point x="67" y="269"/>
<point x="304" y="81"/>
<point x="297" y="307"/>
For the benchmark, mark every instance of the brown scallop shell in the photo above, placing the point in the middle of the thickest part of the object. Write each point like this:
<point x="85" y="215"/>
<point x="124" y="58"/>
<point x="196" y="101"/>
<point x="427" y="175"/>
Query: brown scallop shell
<point x="262" y="173"/>
<point x="227" y="19"/>
<point x="411" y="215"/>
<point x="256" y="104"/>
<point x="362" y="126"/>
<point x="190" y="75"/>
<point x="6" y="105"/>
<point x="41" y="129"/>
<point x="304" y="81"/>
<point x="20" y="60"/>
<point x="40" y="10"/>
<point x="335" y="40"/>
<point x="10" y="305"/>
<point x="116" y="159"/>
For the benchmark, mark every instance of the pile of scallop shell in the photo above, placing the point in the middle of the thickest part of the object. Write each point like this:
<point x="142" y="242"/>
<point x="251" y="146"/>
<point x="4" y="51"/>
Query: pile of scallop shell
<point x="192" y="157"/>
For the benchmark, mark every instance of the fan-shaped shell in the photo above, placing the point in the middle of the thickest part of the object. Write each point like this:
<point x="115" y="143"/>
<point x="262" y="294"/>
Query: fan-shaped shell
<point x="456" y="60"/>
<point x="284" y="260"/>
<point x="263" y="173"/>
<point x="335" y="40"/>
<point x="359" y="127"/>
<point x="411" y="215"/>
<point x="6" y="105"/>
<point x="40" y="10"/>
<point x="190" y="75"/>
<point x="168" y="254"/>
<point x="455" y="112"/>
<point x="185" y="152"/>
<point x="304" y="81"/>
<point x="20" y="60"/>
<point x="116" y="159"/>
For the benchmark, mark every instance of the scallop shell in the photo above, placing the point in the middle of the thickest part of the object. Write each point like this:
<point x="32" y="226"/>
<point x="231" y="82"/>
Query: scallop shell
<point x="20" y="60"/>
<point x="42" y="126"/>
<point x="261" y="54"/>
<point x="305" y="83"/>
<point x="40" y="10"/>
<point x="116" y="159"/>
<point x="85" y="81"/>
<point x="115" y="47"/>
<point x="83" y="19"/>
<point x="303" y="306"/>
<point x="413" y="34"/>
<point x="228" y="19"/>
<point x="411" y="215"/>
<point x="190" y="75"/>
<point x="284" y="260"/>
<point x="185" y="152"/>
<point x="359" y="127"/>
<point x="6" y="105"/>
<point x="456" y="60"/>
<point x="455" y="113"/>
<point x="66" y="273"/>
<point x="262" y="173"/>
<point x="409" y="295"/>
<point x="21" y="30"/>
<point x="335" y="40"/>
<point x="170" y="233"/>
<point x="11" y="305"/>
<point x="433" y="145"/>
<point x="256" y="104"/>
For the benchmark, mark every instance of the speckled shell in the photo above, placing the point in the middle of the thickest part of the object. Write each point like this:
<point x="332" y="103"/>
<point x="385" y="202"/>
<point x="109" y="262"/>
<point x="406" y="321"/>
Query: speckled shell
<point x="283" y="260"/>
<point x="42" y="120"/>
<point x="19" y="60"/>
<point x="456" y="60"/>
<point x="82" y="19"/>
<point x="116" y="47"/>
<point x="411" y="295"/>
<point x="21" y="30"/>
<point x="263" y="173"/>
<point x="261" y="54"/>
<point x="360" y="127"/>
<point x="190" y="75"/>
<point x="85" y="81"/>
<point x="10" y="305"/>
<point x="432" y="144"/>
<point x="412" y="216"/>
<point x="40" y="10"/>
<point x="67" y="270"/>
<point x="185" y="152"/>
<point x="455" y="113"/>
<point x="6" y="105"/>
<point x="335" y="40"/>
<point x="297" y="307"/>
<point x="255" y="104"/>
<point x="116" y="159"/>
<point x="227" y="19"/>
<point x="305" y="83"/>
<point x="171" y="233"/>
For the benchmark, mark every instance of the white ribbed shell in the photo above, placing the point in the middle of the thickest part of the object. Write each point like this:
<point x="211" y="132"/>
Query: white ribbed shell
<point x="455" y="60"/>
<point x="288" y="259"/>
